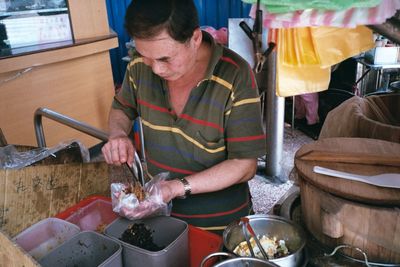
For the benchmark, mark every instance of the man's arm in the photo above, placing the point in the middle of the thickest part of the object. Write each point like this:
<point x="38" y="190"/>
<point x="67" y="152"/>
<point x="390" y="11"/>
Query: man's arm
<point x="119" y="148"/>
<point x="218" y="177"/>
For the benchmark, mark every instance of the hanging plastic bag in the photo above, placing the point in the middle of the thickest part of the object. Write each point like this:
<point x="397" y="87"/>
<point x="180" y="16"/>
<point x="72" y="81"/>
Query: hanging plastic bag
<point x="348" y="18"/>
<point x="131" y="206"/>
<point x="334" y="45"/>
<point x="305" y="55"/>
<point x="296" y="47"/>
<point x="293" y="78"/>
<point x="283" y="6"/>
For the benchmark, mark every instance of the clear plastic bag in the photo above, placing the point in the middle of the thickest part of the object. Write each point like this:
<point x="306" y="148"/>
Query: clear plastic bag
<point x="11" y="158"/>
<point x="128" y="205"/>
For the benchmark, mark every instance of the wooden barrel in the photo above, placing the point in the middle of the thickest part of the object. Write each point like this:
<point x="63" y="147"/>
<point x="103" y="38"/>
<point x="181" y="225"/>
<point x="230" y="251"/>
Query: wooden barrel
<point x="338" y="211"/>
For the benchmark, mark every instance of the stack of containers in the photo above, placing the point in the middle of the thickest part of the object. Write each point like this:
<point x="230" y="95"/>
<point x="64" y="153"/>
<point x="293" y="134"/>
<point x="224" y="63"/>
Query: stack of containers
<point x="88" y="234"/>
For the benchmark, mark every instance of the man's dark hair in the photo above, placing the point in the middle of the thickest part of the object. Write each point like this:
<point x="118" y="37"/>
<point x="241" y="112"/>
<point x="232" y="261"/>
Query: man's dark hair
<point x="145" y="19"/>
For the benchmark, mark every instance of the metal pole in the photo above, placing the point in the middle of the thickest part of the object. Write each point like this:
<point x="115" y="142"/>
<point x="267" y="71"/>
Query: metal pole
<point x="274" y="117"/>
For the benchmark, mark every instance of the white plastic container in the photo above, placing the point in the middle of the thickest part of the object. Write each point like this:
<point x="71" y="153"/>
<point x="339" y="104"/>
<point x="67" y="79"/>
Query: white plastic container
<point x="42" y="237"/>
<point x="383" y="55"/>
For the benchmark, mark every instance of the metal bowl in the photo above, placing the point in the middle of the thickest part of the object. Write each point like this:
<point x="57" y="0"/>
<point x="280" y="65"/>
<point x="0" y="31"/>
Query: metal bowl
<point x="271" y="226"/>
<point x="235" y="261"/>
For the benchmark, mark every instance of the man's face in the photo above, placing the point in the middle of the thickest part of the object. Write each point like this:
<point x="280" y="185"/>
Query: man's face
<point x="168" y="58"/>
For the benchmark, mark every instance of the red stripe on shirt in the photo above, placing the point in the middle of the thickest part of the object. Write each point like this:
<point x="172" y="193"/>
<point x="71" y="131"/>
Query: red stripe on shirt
<point x="154" y="107"/>
<point x="202" y="122"/>
<point x="217" y="214"/>
<point x="228" y="59"/>
<point x="169" y="168"/>
<point x="123" y="102"/>
<point x="245" y="138"/>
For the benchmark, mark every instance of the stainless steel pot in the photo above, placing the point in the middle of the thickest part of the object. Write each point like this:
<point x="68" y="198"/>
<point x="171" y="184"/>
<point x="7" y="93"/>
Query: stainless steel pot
<point x="235" y="261"/>
<point x="271" y="226"/>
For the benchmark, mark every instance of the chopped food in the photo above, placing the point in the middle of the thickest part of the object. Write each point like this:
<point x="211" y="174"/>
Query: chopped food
<point x="140" y="235"/>
<point x="137" y="190"/>
<point x="273" y="247"/>
<point x="101" y="227"/>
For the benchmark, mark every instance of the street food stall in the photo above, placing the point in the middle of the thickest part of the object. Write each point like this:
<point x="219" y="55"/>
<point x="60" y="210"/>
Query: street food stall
<point x="57" y="210"/>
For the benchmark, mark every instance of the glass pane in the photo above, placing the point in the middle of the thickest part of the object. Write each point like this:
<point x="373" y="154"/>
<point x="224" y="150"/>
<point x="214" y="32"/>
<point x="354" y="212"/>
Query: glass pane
<point x="33" y="22"/>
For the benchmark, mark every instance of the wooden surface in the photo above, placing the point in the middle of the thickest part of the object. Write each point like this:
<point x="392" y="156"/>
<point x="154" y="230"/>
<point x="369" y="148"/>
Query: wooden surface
<point x="88" y="18"/>
<point x="335" y="221"/>
<point x="12" y="255"/>
<point x="9" y="66"/>
<point x="35" y="193"/>
<point x="81" y="88"/>
<point x="352" y="190"/>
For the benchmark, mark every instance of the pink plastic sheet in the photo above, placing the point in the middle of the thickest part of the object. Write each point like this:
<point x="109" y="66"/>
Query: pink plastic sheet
<point x="349" y="18"/>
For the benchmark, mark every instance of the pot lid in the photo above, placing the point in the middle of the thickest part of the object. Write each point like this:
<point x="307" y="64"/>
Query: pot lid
<point x="355" y="155"/>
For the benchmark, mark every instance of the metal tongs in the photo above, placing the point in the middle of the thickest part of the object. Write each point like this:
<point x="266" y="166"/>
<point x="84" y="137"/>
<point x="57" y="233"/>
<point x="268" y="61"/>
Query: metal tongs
<point x="247" y="227"/>
<point x="137" y="173"/>
<point x="141" y="174"/>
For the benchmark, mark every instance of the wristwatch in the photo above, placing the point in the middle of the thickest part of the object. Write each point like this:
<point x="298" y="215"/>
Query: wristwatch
<point x="186" y="187"/>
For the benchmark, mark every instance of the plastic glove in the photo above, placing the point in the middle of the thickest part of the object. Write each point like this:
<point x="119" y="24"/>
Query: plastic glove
<point x="129" y="206"/>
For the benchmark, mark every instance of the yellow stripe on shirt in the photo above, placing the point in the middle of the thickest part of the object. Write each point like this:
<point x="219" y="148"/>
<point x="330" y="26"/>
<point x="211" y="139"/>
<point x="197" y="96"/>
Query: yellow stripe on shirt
<point x="247" y="101"/>
<point x="221" y="81"/>
<point x="180" y="132"/>
<point x="133" y="62"/>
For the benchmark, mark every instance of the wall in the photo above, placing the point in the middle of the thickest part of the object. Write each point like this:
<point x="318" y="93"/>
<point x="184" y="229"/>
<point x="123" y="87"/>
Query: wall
<point x="213" y="13"/>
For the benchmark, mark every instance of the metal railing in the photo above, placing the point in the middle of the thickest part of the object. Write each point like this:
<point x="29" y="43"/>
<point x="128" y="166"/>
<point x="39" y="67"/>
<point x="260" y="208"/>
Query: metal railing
<point x="77" y="125"/>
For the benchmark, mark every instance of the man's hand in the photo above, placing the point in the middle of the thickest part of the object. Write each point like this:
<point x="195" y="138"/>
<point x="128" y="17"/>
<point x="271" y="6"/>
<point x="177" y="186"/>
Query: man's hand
<point x="118" y="150"/>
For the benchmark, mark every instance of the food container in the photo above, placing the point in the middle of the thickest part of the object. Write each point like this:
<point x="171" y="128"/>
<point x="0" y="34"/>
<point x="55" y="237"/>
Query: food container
<point x="168" y="232"/>
<point x="93" y="216"/>
<point x="88" y="249"/>
<point x="271" y="226"/>
<point x="40" y="238"/>
<point x="235" y="261"/>
<point x="345" y="212"/>
<point x="201" y="244"/>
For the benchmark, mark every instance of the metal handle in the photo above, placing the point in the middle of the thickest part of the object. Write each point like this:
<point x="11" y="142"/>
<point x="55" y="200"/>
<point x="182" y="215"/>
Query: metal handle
<point x="246" y="236"/>
<point x="212" y="255"/>
<point x="245" y="221"/>
<point x="351" y="247"/>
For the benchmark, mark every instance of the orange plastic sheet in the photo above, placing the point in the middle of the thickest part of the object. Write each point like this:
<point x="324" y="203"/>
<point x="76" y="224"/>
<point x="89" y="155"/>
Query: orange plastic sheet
<point x="305" y="55"/>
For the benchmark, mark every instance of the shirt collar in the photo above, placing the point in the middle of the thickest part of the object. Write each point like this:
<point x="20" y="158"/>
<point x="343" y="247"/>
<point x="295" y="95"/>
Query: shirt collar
<point x="216" y="53"/>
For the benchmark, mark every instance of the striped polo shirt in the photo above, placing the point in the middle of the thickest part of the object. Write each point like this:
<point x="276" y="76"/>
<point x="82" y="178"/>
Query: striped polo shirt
<point x="221" y="120"/>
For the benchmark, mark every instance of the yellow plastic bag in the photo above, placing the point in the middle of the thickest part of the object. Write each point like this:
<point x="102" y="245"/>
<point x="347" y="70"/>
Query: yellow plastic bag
<point x="334" y="45"/>
<point x="298" y="71"/>
<point x="298" y="47"/>
<point x="305" y="55"/>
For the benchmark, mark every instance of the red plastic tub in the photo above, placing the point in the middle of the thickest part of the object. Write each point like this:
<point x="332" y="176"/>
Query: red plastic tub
<point x="91" y="214"/>
<point x="201" y="244"/>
